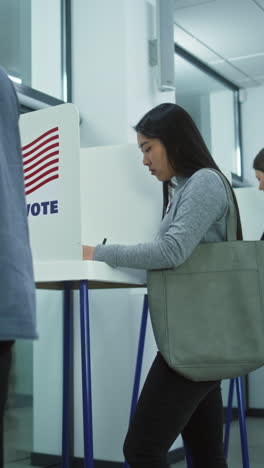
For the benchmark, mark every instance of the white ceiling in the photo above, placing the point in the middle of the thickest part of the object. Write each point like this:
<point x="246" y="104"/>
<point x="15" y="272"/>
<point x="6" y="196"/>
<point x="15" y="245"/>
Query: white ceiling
<point x="228" y="35"/>
<point x="192" y="81"/>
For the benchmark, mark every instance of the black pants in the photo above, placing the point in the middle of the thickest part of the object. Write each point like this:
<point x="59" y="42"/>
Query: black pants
<point x="170" y="405"/>
<point x="5" y="364"/>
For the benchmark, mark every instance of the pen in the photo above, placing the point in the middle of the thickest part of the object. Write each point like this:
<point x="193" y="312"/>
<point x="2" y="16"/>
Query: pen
<point x="104" y="241"/>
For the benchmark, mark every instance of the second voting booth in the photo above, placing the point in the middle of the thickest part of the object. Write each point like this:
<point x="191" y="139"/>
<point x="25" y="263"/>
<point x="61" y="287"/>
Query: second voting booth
<point x="81" y="196"/>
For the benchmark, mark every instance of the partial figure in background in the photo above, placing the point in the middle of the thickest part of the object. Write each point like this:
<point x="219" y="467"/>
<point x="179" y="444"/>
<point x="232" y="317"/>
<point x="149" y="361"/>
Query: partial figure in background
<point x="17" y="287"/>
<point x="258" y="165"/>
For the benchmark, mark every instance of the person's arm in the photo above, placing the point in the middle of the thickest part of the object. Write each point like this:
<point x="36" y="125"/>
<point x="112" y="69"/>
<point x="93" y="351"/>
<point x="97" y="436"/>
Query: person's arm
<point x="203" y="202"/>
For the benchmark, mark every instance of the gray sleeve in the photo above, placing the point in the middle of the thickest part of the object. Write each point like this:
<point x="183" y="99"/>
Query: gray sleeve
<point x="8" y="97"/>
<point x="203" y="201"/>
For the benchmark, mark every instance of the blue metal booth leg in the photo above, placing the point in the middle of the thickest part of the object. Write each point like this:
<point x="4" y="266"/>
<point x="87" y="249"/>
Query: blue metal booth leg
<point x="86" y="375"/>
<point x="238" y="381"/>
<point x="140" y="353"/>
<point x="188" y="458"/>
<point x="66" y="399"/>
<point x="242" y="422"/>
<point x="229" y="416"/>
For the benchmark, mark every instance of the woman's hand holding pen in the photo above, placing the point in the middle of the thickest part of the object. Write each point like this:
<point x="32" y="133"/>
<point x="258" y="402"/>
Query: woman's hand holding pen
<point x="88" y="251"/>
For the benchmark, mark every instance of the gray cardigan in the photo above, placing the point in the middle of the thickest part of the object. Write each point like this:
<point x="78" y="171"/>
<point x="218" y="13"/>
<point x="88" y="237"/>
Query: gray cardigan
<point x="196" y="213"/>
<point x="17" y="288"/>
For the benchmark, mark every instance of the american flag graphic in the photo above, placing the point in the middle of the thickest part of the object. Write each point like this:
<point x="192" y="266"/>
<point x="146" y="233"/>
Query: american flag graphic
<point x="41" y="160"/>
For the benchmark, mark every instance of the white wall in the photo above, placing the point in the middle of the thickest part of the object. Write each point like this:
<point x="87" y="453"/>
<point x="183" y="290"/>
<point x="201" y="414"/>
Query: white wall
<point x="223" y="129"/>
<point x="46" y="47"/>
<point x="198" y="106"/>
<point x="113" y="85"/>
<point x="15" y="38"/>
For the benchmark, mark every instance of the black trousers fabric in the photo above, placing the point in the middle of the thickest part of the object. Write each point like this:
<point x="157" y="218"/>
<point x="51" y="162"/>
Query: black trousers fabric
<point x="170" y="405"/>
<point x="5" y="364"/>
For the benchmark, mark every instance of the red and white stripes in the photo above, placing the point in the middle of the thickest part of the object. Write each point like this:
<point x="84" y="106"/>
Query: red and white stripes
<point x="41" y="160"/>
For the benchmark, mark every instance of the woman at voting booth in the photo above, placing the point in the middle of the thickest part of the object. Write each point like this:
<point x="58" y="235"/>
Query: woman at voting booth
<point x="196" y="204"/>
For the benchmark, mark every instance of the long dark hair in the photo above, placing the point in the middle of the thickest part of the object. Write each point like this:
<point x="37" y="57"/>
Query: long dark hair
<point x="185" y="147"/>
<point x="258" y="163"/>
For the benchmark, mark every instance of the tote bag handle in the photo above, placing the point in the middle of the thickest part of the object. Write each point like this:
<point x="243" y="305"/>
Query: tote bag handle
<point x="232" y="212"/>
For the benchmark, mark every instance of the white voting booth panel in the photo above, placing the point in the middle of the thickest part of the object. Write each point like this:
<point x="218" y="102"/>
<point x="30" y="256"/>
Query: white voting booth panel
<point x="109" y="194"/>
<point x="251" y="203"/>
<point x="51" y="160"/>
<point x="120" y="200"/>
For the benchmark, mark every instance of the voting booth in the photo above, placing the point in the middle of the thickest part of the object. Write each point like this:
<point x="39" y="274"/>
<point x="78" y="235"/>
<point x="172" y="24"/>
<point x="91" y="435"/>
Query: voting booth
<point x="79" y="196"/>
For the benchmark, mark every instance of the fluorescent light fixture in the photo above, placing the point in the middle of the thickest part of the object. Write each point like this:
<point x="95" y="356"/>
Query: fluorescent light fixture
<point x="15" y="79"/>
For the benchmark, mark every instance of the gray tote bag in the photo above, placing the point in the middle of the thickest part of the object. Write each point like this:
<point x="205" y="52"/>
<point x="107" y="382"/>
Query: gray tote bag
<point x="208" y="314"/>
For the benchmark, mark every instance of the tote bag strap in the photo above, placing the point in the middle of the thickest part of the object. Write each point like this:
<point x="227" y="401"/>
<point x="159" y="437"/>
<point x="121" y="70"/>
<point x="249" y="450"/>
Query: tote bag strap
<point x="231" y="220"/>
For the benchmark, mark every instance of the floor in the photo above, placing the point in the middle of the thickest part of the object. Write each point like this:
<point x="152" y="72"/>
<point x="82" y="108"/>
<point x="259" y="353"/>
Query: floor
<point x="18" y="436"/>
<point x="255" y="432"/>
<point x="18" y="440"/>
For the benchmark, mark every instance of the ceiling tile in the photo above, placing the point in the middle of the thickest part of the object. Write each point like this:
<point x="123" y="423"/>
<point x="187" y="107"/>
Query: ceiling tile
<point x="192" y="45"/>
<point x="253" y="66"/>
<point x="229" y="72"/>
<point x="260" y="2"/>
<point x="259" y="79"/>
<point x="250" y="83"/>
<point x="231" y="28"/>
<point x="192" y="81"/>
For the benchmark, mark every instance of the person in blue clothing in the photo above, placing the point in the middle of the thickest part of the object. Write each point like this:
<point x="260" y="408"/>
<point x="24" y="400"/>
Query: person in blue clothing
<point x="17" y="287"/>
<point x="195" y="211"/>
<point x="258" y="166"/>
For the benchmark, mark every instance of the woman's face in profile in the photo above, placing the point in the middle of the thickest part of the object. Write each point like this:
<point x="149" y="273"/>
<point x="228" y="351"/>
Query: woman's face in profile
<point x="260" y="177"/>
<point x="155" y="157"/>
